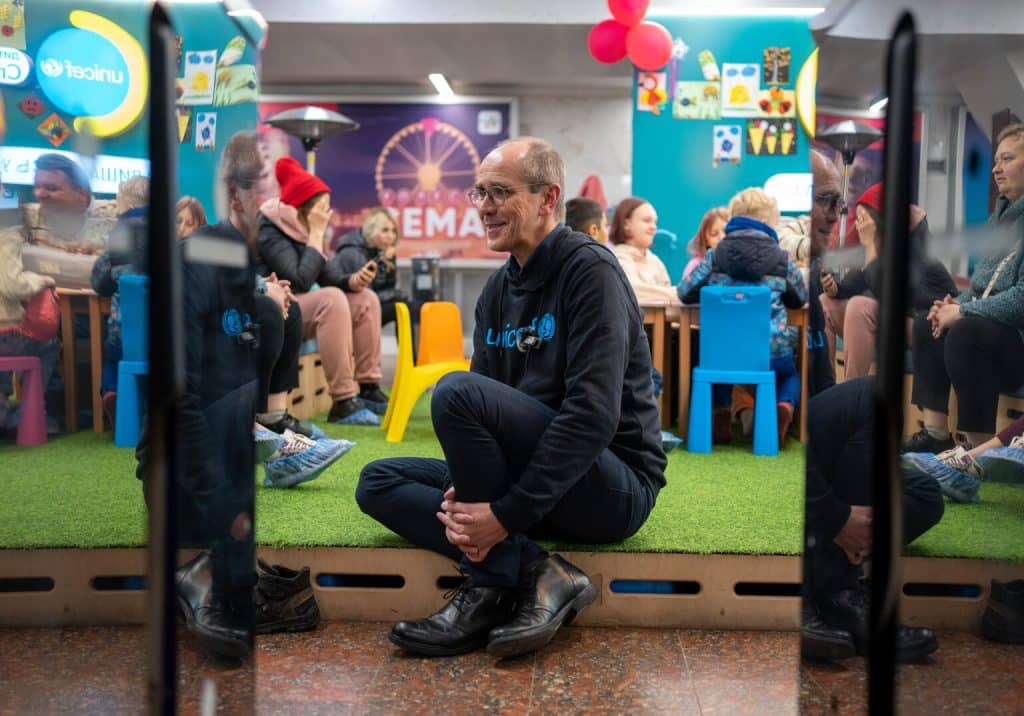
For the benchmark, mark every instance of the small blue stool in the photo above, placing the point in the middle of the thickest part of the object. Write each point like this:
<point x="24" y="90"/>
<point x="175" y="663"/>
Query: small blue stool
<point x="134" y="367"/>
<point x="735" y="339"/>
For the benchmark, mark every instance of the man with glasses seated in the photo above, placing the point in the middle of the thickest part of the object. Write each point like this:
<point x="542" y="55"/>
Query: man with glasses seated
<point x="554" y="433"/>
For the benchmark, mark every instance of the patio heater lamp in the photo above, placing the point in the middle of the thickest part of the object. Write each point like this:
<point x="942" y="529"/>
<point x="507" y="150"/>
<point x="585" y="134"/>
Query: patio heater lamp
<point x="848" y="138"/>
<point x="312" y="124"/>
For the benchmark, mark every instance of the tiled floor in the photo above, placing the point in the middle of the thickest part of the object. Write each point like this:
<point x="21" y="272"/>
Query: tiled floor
<point x="352" y="668"/>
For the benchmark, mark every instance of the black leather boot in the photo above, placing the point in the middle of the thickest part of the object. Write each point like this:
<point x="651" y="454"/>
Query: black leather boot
<point x="284" y="600"/>
<point x="820" y="641"/>
<point x="552" y="594"/>
<point x="208" y="614"/>
<point x="849" y="609"/>
<point x="1004" y="616"/>
<point x="461" y="626"/>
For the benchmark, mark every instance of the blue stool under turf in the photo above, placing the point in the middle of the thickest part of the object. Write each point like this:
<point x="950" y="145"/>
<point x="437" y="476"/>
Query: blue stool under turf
<point x="735" y="340"/>
<point x="133" y="369"/>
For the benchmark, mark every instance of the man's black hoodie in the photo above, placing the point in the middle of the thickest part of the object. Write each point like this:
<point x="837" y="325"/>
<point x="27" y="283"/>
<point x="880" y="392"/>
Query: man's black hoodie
<point x="592" y="365"/>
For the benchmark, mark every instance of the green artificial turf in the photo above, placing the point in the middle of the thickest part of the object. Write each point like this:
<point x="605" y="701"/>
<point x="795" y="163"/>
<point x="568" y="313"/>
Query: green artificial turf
<point x="80" y="491"/>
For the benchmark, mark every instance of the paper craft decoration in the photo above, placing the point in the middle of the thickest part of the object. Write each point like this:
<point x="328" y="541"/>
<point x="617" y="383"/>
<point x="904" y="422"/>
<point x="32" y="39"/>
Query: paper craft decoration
<point x="773" y="137"/>
<point x="12" y="23"/>
<point x="179" y="44"/>
<point x="3" y="118"/>
<point x="741" y="84"/>
<point x="55" y="130"/>
<point x="31" y="106"/>
<point x="727" y="144"/>
<point x="200" y="77"/>
<point x="233" y="52"/>
<point x="679" y="50"/>
<point x="708" y="66"/>
<point x="776" y="102"/>
<point x="206" y="131"/>
<point x="651" y="92"/>
<point x="236" y="85"/>
<point x="697" y="100"/>
<point x="776" y="65"/>
<point x="184" y="125"/>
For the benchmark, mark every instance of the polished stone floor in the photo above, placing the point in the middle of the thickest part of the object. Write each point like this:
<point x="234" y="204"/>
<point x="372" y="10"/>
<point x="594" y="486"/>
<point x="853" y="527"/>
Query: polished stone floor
<point x="351" y="668"/>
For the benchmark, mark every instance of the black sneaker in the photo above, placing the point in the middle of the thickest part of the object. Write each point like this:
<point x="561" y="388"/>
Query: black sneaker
<point x="284" y="600"/>
<point x="290" y="422"/>
<point x="373" y="398"/>
<point x="352" y="411"/>
<point x="924" y="441"/>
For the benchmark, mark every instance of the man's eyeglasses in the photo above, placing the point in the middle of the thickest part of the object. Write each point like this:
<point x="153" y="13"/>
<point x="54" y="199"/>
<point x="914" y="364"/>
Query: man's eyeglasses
<point x="497" y="194"/>
<point x="828" y="202"/>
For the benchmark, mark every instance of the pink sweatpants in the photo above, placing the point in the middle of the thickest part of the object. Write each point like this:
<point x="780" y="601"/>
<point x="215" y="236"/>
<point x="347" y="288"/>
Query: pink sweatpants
<point x="347" y="331"/>
<point x="855" y="320"/>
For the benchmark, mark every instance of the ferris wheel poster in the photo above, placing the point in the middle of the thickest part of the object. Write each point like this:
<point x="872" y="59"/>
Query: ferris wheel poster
<point x="415" y="159"/>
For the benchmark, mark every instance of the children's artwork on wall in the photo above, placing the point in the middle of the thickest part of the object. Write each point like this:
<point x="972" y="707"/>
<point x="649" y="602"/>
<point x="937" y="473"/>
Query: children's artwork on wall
<point x="651" y="92"/>
<point x="679" y="51"/>
<point x="232" y="52"/>
<point x="184" y="125"/>
<point x="741" y="84"/>
<point x="200" y="77"/>
<point x="697" y="100"/>
<point x="31" y="106"/>
<point x="206" y="131"/>
<point x="709" y="66"/>
<point x="776" y="65"/>
<point x="727" y="143"/>
<point x="236" y="85"/>
<point x="12" y="23"/>
<point x="771" y="137"/>
<point x="55" y="130"/>
<point x="179" y="44"/>
<point x="776" y="102"/>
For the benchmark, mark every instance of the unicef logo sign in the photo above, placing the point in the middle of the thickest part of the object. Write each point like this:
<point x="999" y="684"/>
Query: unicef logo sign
<point x="82" y="73"/>
<point x="51" y="67"/>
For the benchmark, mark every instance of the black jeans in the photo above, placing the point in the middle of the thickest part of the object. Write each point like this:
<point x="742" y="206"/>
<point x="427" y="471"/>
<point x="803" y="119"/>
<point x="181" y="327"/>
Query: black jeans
<point x="280" y="341"/>
<point x="981" y="358"/>
<point x="841" y="432"/>
<point x="488" y="432"/>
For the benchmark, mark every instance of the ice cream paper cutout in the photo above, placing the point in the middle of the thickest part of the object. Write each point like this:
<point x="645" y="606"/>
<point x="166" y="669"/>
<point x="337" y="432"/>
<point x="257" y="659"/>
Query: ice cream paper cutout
<point x="771" y="137"/>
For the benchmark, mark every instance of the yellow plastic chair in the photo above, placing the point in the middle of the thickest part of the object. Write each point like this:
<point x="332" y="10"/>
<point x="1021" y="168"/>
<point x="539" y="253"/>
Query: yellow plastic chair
<point x="440" y="333"/>
<point x="412" y="380"/>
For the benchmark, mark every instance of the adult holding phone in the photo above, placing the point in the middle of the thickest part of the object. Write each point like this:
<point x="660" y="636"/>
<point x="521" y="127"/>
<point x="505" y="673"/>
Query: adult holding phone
<point x="369" y="253"/>
<point x="336" y="309"/>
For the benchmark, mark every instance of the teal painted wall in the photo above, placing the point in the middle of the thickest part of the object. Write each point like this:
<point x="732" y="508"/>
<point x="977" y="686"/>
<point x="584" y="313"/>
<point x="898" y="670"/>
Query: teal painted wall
<point x="203" y="26"/>
<point x="672" y="158"/>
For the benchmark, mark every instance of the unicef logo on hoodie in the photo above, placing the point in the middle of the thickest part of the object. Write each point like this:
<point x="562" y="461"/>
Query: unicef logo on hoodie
<point x="546" y="327"/>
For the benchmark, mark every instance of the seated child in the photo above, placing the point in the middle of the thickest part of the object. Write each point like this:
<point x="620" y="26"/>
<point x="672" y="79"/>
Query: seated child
<point x="114" y="262"/>
<point x="750" y="255"/>
<point x="586" y="216"/>
<point x="711" y="231"/>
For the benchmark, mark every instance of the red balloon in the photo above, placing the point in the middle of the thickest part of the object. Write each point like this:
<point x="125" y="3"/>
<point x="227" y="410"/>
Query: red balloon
<point x="629" y="12"/>
<point x="607" y="41"/>
<point x="649" y="46"/>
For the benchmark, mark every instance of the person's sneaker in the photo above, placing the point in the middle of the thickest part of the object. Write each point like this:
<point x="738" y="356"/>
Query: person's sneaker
<point x="1003" y="620"/>
<point x="957" y="485"/>
<point x="960" y="459"/>
<point x="267" y="442"/>
<point x="721" y="426"/>
<point x="352" y="411"/>
<point x="373" y="398"/>
<point x="284" y="600"/>
<point x="924" y="441"/>
<point x="290" y="422"/>
<point x="301" y="460"/>
<point x="1017" y="442"/>
<point x="1005" y="464"/>
<point x="784" y="412"/>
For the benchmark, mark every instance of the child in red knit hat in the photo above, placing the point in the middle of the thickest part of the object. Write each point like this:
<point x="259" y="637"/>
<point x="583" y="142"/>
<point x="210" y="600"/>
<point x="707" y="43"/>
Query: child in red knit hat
<point x="337" y="309"/>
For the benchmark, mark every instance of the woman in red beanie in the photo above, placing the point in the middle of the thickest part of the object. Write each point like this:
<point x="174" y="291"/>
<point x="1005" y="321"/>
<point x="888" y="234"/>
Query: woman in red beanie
<point x="851" y="306"/>
<point x="336" y="307"/>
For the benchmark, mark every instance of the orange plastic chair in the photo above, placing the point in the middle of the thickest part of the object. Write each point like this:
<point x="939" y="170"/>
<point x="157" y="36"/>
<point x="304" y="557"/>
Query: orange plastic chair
<point x="412" y="380"/>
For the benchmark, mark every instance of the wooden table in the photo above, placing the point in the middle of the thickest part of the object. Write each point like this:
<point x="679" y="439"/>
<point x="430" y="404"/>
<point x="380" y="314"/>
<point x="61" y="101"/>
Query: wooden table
<point x="690" y="318"/>
<point x="86" y="302"/>
<point x="655" y="316"/>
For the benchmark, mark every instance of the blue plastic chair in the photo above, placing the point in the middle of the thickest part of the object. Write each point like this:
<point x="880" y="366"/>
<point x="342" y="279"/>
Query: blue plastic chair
<point x="666" y="248"/>
<point x="134" y="366"/>
<point x="735" y="335"/>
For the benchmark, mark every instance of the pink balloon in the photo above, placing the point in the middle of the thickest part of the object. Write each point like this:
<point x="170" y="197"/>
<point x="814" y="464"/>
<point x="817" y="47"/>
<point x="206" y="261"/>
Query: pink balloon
<point x="649" y="46"/>
<point x="629" y="12"/>
<point x="607" y="41"/>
